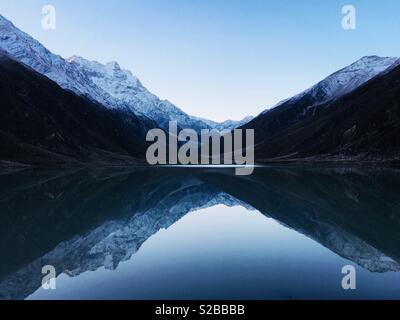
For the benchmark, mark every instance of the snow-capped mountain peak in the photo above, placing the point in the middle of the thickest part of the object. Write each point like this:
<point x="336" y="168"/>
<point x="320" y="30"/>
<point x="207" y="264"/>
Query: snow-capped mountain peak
<point x="121" y="84"/>
<point x="118" y="83"/>
<point x="353" y="76"/>
<point x="23" y="48"/>
<point x="345" y="80"/>
<point x="107" y="84"/>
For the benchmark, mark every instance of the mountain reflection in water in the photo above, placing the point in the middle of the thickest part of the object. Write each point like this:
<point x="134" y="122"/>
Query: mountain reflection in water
<point x="85" y="220"/>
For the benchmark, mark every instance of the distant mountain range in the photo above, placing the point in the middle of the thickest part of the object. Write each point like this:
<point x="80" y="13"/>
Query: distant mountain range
<point x="351" y="115"/>
<point x="101" y="218"/>
<point x="108" y="84"/>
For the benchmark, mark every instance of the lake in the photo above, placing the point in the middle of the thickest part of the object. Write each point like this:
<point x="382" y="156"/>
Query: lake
<point x="179" y="233"/>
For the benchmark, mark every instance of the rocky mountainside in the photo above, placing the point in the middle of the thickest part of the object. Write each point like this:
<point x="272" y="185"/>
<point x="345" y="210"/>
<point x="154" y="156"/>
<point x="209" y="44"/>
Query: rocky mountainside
<point x="345" y="80"/>
<point x="41" y="123"/>
<point x="107" y="84"/>
<point x="361" y="124"/>
<point x="125" y="87"/>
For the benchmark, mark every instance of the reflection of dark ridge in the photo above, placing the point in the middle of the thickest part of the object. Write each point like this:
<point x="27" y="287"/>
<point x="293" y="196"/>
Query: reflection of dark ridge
<point x="72" y="217"/>
<point x="82" y="220"/>
<point x="320" y="202"/>
<point x="60" y="207"/>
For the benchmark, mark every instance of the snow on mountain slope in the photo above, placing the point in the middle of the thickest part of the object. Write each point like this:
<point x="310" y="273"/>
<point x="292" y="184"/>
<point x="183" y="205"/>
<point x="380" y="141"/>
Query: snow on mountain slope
<point x="123" y="85"/>
<point x="27" y="50"/>
<point x="345" y="80"/>
<point x="228" y="124"/>
<point x="107" y="84"/>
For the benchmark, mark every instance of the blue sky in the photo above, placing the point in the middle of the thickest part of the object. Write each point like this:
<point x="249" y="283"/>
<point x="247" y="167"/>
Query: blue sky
<point x="217" y="59"/>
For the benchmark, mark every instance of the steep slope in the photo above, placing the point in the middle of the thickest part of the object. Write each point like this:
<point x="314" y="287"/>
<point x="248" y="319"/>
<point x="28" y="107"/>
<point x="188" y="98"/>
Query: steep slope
<point x="347" y="79"/>
<point x="306" y="104"/>
<point x="41" y="123"/>
<point x="364" y="124"/>
<point x="107" y="84"/>
<point x="22" y="47"/>
<point x="126" y="88"/>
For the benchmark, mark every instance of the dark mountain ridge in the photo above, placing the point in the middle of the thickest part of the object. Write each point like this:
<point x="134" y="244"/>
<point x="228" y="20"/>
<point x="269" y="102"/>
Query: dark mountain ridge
<point x="42" y="123"/>
<point x="362" y="125"/>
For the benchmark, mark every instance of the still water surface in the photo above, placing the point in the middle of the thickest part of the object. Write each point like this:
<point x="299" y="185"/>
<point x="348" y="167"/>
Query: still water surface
<point x="282" y="233"/>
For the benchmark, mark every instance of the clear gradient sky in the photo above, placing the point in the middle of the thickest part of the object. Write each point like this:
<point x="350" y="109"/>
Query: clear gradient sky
<point x="217" y="59"/>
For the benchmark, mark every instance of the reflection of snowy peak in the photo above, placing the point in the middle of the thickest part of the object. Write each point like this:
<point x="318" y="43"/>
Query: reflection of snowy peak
<point x="351" y="247"/>
<point x="354" y="249"/>
<point x="115" y="241"/>
<point x="143" y="202"/>
<point x="125" y="87"/>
